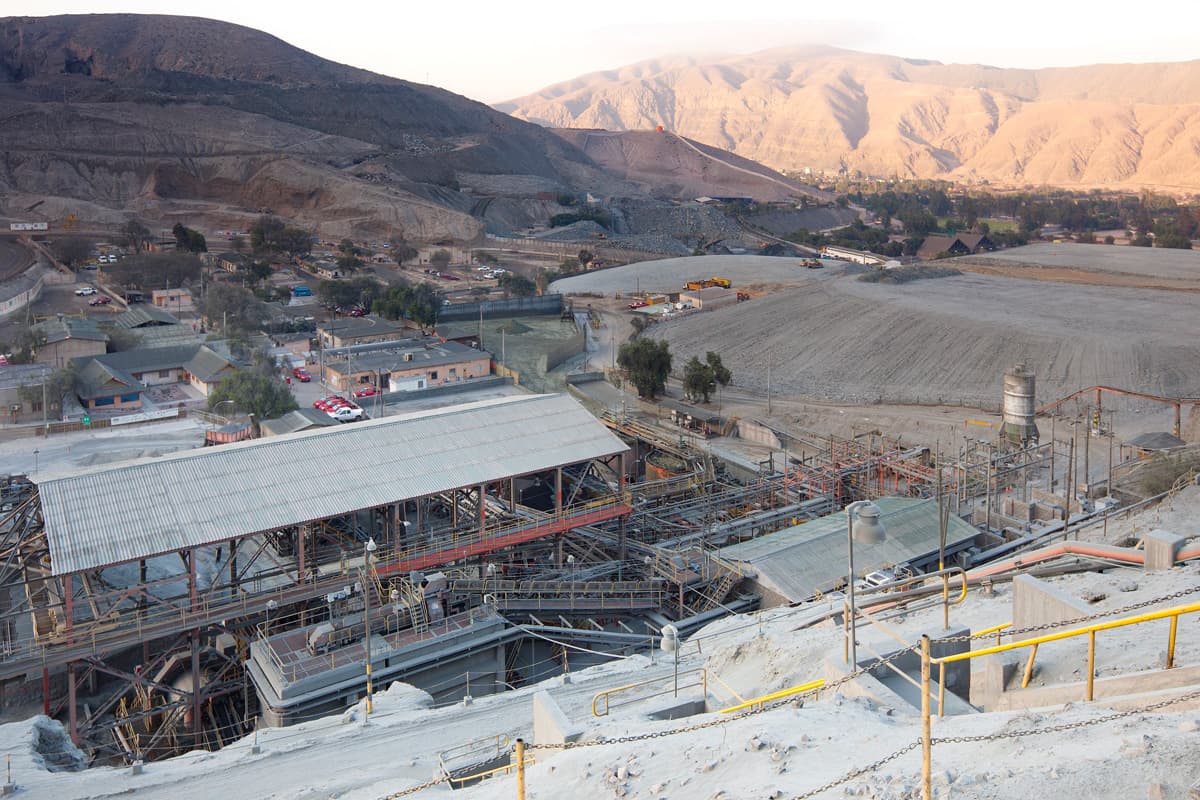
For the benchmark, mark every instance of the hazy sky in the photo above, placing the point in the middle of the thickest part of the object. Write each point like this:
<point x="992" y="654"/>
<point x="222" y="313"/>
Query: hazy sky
<point x="495" y="51"/>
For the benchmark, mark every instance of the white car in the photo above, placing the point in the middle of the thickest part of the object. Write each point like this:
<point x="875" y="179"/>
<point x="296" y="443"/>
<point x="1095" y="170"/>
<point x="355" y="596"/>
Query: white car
<point x="85" y="291"/>
<point x="346" y="413"/>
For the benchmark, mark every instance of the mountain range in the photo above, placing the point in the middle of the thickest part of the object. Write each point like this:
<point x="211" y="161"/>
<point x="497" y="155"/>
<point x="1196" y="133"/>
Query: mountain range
<point x="834" y="111"/>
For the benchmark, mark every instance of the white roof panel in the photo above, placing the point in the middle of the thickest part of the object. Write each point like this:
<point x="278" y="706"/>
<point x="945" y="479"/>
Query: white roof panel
<point x="148" y="507"/>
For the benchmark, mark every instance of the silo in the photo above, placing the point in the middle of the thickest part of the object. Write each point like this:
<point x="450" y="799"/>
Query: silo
<point x="1019" y="408"/>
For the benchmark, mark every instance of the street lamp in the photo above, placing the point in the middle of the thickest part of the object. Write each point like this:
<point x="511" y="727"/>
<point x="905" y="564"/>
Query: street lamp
<point x="271" y="606"/>
<point x="370" y="548"/>
<point x="862" y="523"/>
<point x="670" y="644"/>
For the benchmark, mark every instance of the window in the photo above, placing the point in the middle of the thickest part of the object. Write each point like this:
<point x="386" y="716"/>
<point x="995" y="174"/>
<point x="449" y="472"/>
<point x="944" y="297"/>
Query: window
<point x="433" y="375"/>
<point x="453" y="372"/>
<point x="102" y="401"/>
<point x="164" y="373"/>
<point x="129" y="398"/>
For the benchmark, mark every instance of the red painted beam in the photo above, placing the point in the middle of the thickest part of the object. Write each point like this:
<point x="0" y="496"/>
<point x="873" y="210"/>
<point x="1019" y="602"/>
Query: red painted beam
<point x="488" y="544"/>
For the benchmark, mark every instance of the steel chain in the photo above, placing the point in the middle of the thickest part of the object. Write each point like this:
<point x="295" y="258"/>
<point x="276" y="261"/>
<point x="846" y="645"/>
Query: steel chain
<point x="1069" y="725"/>
<point x="1046" y="626"/>
<point x="414" y="789"/>
<point x="849" y="776"/>
<point x="723" y="720"/>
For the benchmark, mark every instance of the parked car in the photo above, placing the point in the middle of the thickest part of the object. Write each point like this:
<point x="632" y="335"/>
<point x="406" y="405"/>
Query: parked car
<point x="356" y="312"/>
<point x="346" y="413"/>
<point x="366" y="391"/>
<point x="84" y="291"/>
<point x="102" y="300"/>
<point x="302" y="374"/>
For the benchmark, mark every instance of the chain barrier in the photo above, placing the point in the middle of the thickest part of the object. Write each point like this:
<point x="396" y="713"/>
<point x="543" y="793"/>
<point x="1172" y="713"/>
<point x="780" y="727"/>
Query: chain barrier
<point x="414" y="789"/>
<point x="1069" y="725"/>
<point x="849" y="776"/>
<point x="699" y="726"/>
<point x="1077" y="621"/>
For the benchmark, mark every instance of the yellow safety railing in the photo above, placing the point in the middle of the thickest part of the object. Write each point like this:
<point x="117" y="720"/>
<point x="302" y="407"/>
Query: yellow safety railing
<point x="607" y="695"/>
<point x="801" y="688"/>
<point x="1087" y="630"/>
<point x="462" y="779"/>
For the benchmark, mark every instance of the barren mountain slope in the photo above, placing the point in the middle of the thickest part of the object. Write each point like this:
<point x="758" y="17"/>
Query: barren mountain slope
<point x="828" y="109"/>
<point x="670" y="166"/>
<point x="109" y="113"/>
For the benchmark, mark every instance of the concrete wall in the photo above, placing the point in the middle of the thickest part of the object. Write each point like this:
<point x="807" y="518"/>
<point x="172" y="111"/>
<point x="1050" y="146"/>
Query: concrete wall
<point x="753" y="432"/>
<point x="1036" y="602"/>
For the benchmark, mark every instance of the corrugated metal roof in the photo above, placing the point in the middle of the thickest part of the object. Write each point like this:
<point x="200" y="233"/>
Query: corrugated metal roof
<point x="798" y="562"/>
<point x="154" y="506"/>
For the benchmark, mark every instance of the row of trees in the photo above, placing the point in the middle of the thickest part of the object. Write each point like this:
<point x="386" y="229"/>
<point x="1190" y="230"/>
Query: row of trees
<point x="647" y="363"/>
<point x="420" y="303"/>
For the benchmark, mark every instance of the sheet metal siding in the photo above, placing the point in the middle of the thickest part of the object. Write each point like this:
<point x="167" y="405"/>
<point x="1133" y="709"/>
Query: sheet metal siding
<point x="147" y="508"/>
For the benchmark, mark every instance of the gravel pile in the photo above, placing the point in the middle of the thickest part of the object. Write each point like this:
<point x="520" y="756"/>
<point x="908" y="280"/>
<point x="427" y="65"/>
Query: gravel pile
<point x="949" y="340"/>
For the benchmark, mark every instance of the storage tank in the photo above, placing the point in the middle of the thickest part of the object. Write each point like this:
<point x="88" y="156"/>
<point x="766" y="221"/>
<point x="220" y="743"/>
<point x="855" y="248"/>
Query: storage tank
<point x="661" y="466"/>
<point x="1019" y="407"/>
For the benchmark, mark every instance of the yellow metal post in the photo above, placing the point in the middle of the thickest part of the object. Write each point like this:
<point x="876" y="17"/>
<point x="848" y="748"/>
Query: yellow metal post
<point x="926" y="727"/>
<point x="941" y="690"/>
<point x="1091" y="678"/>
<point x="1171" y="642"/>
<point x="520" y="769"/>
<point x="1029" y="666"/>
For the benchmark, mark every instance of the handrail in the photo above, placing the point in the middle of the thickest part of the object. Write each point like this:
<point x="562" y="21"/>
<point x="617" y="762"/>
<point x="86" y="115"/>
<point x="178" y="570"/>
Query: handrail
<point x="607" y="694"/>
<point x="1088" y="630"/>
<point x="801" y="688"/>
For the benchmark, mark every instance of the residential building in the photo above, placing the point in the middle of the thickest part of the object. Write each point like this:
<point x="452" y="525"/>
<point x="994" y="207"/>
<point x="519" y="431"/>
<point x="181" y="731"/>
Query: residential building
<point x="177" y="300"/>
<point x="17" y="406"/>
<point x="411" y="366"/>
<point x="100" y="386"/>
<point x="60" y="340"/>
<point x="962" y="244"/>
<point x="195" y="364"/>
<point x="345" y="331"/>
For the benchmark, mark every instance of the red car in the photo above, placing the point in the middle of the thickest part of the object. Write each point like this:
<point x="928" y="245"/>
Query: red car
<point x="302" y="374"/>
<point x="355" y="312"/>
<point x="366" y="391"/>
<point x="102" y="300"/>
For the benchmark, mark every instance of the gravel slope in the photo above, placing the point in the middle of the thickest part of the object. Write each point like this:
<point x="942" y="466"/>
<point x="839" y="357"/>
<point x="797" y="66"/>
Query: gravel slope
<point x="949" y="339"/>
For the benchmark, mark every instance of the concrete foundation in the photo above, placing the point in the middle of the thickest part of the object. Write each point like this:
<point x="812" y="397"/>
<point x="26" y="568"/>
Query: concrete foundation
<point x="550" y="725"/>
<point x="1161" y="549"/>
<point x="1036" y="602"/>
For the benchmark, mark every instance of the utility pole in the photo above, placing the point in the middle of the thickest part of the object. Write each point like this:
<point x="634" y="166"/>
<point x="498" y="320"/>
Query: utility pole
<point x="768" y="385"/>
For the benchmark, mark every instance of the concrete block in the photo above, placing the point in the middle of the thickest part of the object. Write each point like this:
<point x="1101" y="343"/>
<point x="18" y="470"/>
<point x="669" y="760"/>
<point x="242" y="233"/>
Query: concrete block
<point x="1161" y="549"/>
<point x="136" y="768"/>
<point x="550" y="725"/>
<point x="1036" y="602"/>
<point x="991" y="678"/>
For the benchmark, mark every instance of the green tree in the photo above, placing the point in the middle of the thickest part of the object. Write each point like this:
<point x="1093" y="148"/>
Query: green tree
<point x="272" y="235"/>
<point x="59" y="385"/>
<point x="188" y="240"/>
<point x="698" y="380"/>
<point x="586" y="257"/>
<point x="402" y="251"/>
<point x="1173" y="240"/>
<point x="233" y="309"/>
<point x="72" y="251"/>
<point x="721" y="373"/>
<point x="440" y="258"/>
<point x="647" y="363"/>
<point x="254" y="391"/>
<point x="516" y="285"/>
<point x="135" y="235"/>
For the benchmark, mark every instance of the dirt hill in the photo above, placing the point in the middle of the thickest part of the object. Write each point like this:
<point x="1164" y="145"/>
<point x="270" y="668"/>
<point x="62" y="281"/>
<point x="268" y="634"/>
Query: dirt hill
<point x="825" y="109"/>
<point x="186" y="117"/>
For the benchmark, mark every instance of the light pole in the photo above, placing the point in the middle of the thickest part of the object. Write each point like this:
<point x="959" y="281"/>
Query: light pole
<point x="862" y="523"/>
<point x="35" y="461"/>
<point x="571" y="564"/>
<point x="370" y="548"/>
<point x="271" y="606"/>
<point x="670" y="644"/>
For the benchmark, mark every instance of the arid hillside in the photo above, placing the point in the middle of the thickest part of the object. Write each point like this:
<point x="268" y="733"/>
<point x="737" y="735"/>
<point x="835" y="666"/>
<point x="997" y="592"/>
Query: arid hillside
<point x="107" y="115"/>
<point x="669" y="166"/>
<point x="820" y="108"/>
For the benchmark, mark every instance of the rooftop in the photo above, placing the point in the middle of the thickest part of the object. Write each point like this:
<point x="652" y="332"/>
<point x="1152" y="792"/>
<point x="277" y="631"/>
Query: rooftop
<point x="370" y="325"/>
<point x="64" y="328"/>
<point x="301" y="419"/>
<point x="197" y="359"/>
<point x="14" y="375"/>
<point x="800" y="561"/>
<point x="140" y="315"/>
<point x="427" y="354"/>
<point x="212" y="495"/>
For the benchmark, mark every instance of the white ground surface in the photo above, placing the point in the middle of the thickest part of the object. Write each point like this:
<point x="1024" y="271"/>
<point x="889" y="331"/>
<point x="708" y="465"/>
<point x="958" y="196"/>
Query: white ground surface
<point x="780" y="753"/>
<point x="1141" y="261"/>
